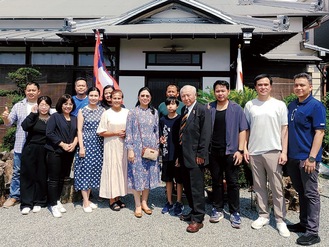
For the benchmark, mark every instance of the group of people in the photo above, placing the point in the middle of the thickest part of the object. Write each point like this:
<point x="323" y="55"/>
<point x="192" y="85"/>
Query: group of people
<point x="110" y="148"/>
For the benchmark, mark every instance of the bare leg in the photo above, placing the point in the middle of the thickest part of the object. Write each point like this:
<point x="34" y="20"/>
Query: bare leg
<point x="85" y="196"/>
<point x="145" y="196"/>
<point x="179" y="192"/>
<point x="169" y="186"/>
<point x="137" y="197"/>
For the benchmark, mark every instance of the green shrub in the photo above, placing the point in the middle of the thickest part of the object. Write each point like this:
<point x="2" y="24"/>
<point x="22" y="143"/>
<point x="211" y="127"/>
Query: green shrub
<point x="290" y="98"/>
<point x="23" y="75"/>
<point x="9" y="139"/>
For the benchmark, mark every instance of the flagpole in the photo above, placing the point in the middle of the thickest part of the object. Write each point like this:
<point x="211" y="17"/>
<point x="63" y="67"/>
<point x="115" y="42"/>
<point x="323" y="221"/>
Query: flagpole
<point x="239" y="74"/>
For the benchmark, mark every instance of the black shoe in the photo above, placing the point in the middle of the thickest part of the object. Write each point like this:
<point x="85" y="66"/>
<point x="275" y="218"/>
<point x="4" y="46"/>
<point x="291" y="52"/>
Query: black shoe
<point x="185" y="217"/>
<point x="296" y="228"/>
<point x="308" y="240"/>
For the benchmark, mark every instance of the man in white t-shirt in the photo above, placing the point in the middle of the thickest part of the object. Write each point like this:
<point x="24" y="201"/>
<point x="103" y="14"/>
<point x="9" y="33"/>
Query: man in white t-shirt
<point x="266" y="150"/>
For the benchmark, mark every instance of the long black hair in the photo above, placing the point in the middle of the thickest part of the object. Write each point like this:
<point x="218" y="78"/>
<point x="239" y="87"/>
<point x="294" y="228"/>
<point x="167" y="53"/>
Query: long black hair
<point x="104" y="102"/>
<point x="150" y="104"/>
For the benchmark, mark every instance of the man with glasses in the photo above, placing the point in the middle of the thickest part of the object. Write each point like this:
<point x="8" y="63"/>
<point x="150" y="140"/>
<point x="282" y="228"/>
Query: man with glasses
<point x="266" y="150"/>
<point x="307" y="123"/>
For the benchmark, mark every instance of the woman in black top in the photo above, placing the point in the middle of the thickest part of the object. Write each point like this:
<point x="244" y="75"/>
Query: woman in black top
<point x="61" y="143"/>
<point x="33" y="185"/>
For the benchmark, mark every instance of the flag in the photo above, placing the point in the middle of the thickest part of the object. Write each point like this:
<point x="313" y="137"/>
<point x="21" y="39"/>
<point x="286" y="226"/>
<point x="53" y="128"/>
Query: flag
<point x="239" y="75"/>
<point x="101" y="75"/>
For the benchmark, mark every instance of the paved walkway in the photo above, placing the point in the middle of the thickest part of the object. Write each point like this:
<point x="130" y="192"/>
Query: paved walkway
<point x="104" y="227"/>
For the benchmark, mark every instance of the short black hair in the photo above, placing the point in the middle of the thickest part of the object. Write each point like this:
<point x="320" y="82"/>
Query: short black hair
<point x="47" y="99"/>
<point x="304" y="75"/>
<point x="223" y="83"/>
<point x="261" y="76"/>
<point x="80" y="79"/>
<point x="63" y="99"/>
<point x="32" y="83"/>
<point x="172" y="85"/>
<point x="169" y="100"/>
<point x="91" y="89"/>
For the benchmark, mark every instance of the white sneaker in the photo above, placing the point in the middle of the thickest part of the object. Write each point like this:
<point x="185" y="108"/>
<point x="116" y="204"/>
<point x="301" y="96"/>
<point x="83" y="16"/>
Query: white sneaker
<point x="283" y="230"/>
<point x="55" y="211"/>
<point x="259" y="223"/>
<point x="25" y="211"/>
<point x="93" y="205"/>
<point x="36" y="209"/>
<point x="87" y="209"/>
<point x="61" y="207"/>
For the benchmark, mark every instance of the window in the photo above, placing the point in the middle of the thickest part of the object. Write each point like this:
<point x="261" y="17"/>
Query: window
<point x="12" y="58"/>
<point x="87" y="59"/>
<point x="173" y="58"/>
<point x="52" y="58"/>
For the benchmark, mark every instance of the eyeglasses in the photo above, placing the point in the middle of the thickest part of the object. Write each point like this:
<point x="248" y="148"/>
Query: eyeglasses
<point x="292" y="117"/>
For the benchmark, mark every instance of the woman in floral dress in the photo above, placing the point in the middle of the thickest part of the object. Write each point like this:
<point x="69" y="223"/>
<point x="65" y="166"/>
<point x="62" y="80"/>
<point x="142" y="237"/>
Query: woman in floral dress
<point x="142" y="131"/>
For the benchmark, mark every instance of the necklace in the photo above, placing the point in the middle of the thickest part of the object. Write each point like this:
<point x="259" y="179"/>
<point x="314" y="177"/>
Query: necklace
<point x="44" y="119"/>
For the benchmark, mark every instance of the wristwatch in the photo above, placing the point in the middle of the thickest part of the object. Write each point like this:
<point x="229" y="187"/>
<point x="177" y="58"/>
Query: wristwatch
<point x="311" y="159"/>
<point x="240" y="151"/>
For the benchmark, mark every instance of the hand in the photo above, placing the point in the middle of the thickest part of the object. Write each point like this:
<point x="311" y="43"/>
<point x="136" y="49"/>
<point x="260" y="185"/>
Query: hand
<point x="6" y="112"/>
<point x="121" y="134"/>
<point x="34" y="109"/>
<point x="177" y="163"/>
<point x="199" y="161"/>
<point x="309" y="166"/>
<point x="131" y="156"/>
<point x="237" y="157"/>
<point x="71" y="147"/>
<point x="64" y="146"/>
<point x="163" y="140"/>
<point x="82" y="152"/>
<point x="246" y="156"/>
<point x="283" y="159"/>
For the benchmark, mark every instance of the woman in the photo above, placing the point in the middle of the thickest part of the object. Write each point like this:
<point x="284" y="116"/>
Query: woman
<point x="33" y="161"/>
<point x="61" y="142"/>
<point x="114" y="173"/>
<point x="142" y="131"/>
<point x="106" y="102"/>
<point x="89" y="156"/>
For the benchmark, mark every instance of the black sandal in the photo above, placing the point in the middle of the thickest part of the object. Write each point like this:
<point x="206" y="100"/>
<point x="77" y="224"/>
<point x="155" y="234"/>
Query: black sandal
<point x="121" y="204"/>
<point x="115" y="206"/>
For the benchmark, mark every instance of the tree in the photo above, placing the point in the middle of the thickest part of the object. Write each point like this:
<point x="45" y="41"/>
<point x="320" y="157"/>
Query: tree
<point x="23" y="75"/>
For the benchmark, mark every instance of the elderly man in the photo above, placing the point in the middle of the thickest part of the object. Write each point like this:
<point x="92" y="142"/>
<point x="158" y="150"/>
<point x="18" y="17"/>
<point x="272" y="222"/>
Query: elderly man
<point x="194" y="138"/>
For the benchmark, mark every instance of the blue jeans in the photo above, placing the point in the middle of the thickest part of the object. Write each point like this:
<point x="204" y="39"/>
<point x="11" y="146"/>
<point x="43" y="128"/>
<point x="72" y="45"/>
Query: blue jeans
<point x="15" y="181"/>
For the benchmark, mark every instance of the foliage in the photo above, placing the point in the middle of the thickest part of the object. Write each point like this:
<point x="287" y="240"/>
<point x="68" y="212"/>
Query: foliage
<point x="290" y="98"/>
<point x="240" y="97"/>
<point x="9" y="139"/>
<point x="14" y="98"/>
<point x="5" y="92"/>
<point x="23" y="75"/>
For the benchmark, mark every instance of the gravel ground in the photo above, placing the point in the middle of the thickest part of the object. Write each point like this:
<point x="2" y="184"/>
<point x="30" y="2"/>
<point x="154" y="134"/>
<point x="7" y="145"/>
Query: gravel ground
<point x="104" y="227"/>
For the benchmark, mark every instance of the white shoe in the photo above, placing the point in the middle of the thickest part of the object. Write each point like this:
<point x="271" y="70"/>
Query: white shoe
<point x="87" y="209"/>
<point x="36" y="209"/>
<point x="25" y="211"/>
<point x="61" y="207"/>
<point x="55" y="211"/>
<point x="259" y="223"/>
<point x="93" y="205"/>
<point x="283" y="230"/>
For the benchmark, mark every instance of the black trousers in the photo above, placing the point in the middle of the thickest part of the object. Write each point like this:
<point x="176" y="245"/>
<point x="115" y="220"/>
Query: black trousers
<point x="59" y="166"/>
<point x="193" y="182"/>
<point x="33" y="176"/>
<point x="220" y="164"/>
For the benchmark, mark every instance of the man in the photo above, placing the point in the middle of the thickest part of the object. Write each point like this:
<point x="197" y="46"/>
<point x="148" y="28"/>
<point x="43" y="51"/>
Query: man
<point x="267" y="151"/>
<point x="17" y="115"/>
<point x="80" y="99"/>
<point x="307" y="118"/>
<point x="194" y="138"/>
<point x="229" y="127"/>
<point x="171" y="91"/>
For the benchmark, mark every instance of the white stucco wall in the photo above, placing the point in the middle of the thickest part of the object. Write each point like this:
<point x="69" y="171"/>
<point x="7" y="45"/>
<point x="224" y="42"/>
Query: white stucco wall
<point x="216" y="54"/>
<point x="130" y="86"/>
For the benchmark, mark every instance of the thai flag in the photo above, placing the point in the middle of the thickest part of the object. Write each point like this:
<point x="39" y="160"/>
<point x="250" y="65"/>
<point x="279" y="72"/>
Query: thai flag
<point x="101" y="75"/>
<point x="239" y="75"/>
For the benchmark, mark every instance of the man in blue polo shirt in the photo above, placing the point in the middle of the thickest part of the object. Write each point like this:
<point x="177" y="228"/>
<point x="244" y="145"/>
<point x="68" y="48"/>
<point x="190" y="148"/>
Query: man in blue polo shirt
<point x="306" y="125"/>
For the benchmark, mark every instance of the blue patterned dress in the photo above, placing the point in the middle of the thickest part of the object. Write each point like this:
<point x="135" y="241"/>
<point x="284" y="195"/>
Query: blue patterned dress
<point x="87" y="170"/>
<point x="143" y="173"/>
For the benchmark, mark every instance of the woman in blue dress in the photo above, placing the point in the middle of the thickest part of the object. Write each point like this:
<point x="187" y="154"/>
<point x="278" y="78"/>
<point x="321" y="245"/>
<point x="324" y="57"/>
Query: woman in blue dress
<point x="142" y="131"/>
<point x="89" y="156"/>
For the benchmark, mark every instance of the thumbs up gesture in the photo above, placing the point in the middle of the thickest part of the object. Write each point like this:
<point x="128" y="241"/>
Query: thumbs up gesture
<point x="5" y="115"/>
